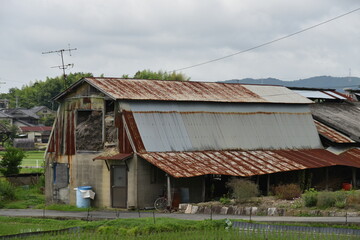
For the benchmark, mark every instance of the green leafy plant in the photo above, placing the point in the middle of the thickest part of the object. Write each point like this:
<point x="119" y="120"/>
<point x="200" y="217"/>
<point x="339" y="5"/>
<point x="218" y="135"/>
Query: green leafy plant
<point x="225" y="200"/>
<point x="243" y="190"/>
<point x="10" y="163"/>
<point x="310" y="197"/>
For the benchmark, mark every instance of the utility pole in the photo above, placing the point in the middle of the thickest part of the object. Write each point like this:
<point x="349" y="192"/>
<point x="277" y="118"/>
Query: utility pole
<point x="63" y="66"/>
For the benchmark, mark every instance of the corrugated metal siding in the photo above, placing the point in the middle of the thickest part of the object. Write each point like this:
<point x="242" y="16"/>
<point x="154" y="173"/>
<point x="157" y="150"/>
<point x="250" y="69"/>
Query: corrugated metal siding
<point x="332" y="134"/>
<point x="244" y="163"/>
<point x="135" y="89"/>
<point x="162" y="131"/>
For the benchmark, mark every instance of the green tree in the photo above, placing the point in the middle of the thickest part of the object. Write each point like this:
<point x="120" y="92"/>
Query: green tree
<point x="159" y="75"/>
<point x="40" y="93"/>
<point x="10" y="163"/>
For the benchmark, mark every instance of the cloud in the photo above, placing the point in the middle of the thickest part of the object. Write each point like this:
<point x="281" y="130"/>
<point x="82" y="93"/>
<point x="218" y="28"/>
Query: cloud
<point x="121" y="37"/>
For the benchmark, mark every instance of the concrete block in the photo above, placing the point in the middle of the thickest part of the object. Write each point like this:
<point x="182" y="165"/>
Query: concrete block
<point x="188" y="209"/>
<point x="353" y="214"/>
<point x="201" y="209"/>
<point x="272" y="212"/>
<point x="231" y="210"/>
<point x="224" y="210"/>
<point x="194" y="209"/>
<point x="207" y="210"/>
<point x="252" y="210"/>
<point x="183" y="206"/>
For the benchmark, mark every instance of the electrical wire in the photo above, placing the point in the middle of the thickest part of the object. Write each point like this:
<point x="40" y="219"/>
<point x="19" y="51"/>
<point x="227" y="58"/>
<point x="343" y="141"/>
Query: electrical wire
<point x="269" y="42"/>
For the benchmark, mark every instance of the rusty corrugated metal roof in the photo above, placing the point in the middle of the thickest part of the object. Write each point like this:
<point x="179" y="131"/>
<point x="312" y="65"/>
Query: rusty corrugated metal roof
<point x="331" y="134"/>
<point x="351" y="156"/>
<point x="137" y="89"/>
<point x="245" y="163"/>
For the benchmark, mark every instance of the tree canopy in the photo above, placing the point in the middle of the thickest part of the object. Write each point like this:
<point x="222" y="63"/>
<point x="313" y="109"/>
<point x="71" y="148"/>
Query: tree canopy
<point x="40" y="93"/>
<point x="159" y="75"/>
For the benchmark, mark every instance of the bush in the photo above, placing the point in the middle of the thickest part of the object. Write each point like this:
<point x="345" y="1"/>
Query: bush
<point x="287" y="191"/>
<point x="310" y="197"/>
<point x="353" y="198"/>
<point x="326" y="199"/>
<point x="340" y="199"/>
<point x="243" y="190"/>
<point x="10" y="163"/>
<point x="7" y="192"/>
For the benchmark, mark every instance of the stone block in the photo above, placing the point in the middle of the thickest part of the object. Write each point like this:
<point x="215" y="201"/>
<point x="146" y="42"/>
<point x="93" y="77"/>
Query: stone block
<point x="194" y="209"/>
<point x="224" y="210"/>
<point x="272" y="212"/>
<point x="182" y="206"/>
<point x="188" y="209"/>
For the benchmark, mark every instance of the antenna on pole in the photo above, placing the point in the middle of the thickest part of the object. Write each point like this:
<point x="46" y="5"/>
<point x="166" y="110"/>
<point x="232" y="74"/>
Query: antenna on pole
<point x="63" y="66"/>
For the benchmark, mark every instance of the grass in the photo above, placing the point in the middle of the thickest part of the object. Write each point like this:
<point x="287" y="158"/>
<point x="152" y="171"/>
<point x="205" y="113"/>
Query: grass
<point x="26" y="197"/>
<point x="15" y="225"/>
<point x="145" y="228"/>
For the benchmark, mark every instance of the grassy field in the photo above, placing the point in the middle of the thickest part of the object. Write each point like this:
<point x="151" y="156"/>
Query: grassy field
<point x="147" y="229"/>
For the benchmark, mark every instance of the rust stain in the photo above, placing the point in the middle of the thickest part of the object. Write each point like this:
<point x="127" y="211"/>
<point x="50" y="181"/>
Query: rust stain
<point x="174" y="90"/>
<point x="134" y="131"/>
<point x="123" y="141"/>
<point x="247" y="163"/>
<point x="332" y="134"/>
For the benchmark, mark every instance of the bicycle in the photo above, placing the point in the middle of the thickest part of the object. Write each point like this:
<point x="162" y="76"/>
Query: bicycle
<point x="161" y="203"/>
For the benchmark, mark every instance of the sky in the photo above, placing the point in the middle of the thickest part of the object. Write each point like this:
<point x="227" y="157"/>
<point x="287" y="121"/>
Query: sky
<point x="116" y="37"/>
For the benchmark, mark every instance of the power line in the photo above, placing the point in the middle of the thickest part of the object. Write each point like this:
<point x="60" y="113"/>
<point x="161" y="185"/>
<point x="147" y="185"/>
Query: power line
<point x="270" y="42"/>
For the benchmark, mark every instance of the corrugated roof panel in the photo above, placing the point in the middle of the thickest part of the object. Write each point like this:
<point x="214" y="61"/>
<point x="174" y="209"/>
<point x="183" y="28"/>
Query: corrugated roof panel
<point x="343" y="117"/>
<point x="271" y="93"/>
<point x="135" y="89"/>
<point x="335" y="94"/>
<point x="313" y="94"/>
<point x="197" y="131"/>
<point x="248" y="163"/>
<point x="331" y="134"/>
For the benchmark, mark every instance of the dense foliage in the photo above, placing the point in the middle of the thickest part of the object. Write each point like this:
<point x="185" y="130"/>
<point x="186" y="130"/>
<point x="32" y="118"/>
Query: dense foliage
<point x="40" y="93"/>
<point x="242" y="189"/>
<point x="11" y="161"/>
<point x="159" y="75"/>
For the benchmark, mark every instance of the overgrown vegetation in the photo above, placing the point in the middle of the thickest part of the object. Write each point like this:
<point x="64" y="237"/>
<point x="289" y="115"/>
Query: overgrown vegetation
<point x="243" y="190"/>
<point x="288" y="191"/>
<point x="147" y="228"/>
<point x="338" y="199"/>
<point x="11" y="161"/>
<point x="7" y="192"/>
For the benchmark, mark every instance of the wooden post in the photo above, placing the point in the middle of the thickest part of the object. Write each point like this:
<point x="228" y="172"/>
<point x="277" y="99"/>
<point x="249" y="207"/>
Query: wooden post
<point x="268" y="185"/>
<point x="168" y="190"/>
<point x="353" y="170"/>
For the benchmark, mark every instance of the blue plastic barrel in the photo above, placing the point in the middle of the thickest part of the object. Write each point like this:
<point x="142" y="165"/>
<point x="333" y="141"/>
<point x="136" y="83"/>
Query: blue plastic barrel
<point x="82" y="202"/>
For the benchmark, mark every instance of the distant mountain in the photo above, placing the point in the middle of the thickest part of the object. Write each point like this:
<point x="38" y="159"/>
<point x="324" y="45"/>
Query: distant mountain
<point x="338" y="83"/>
